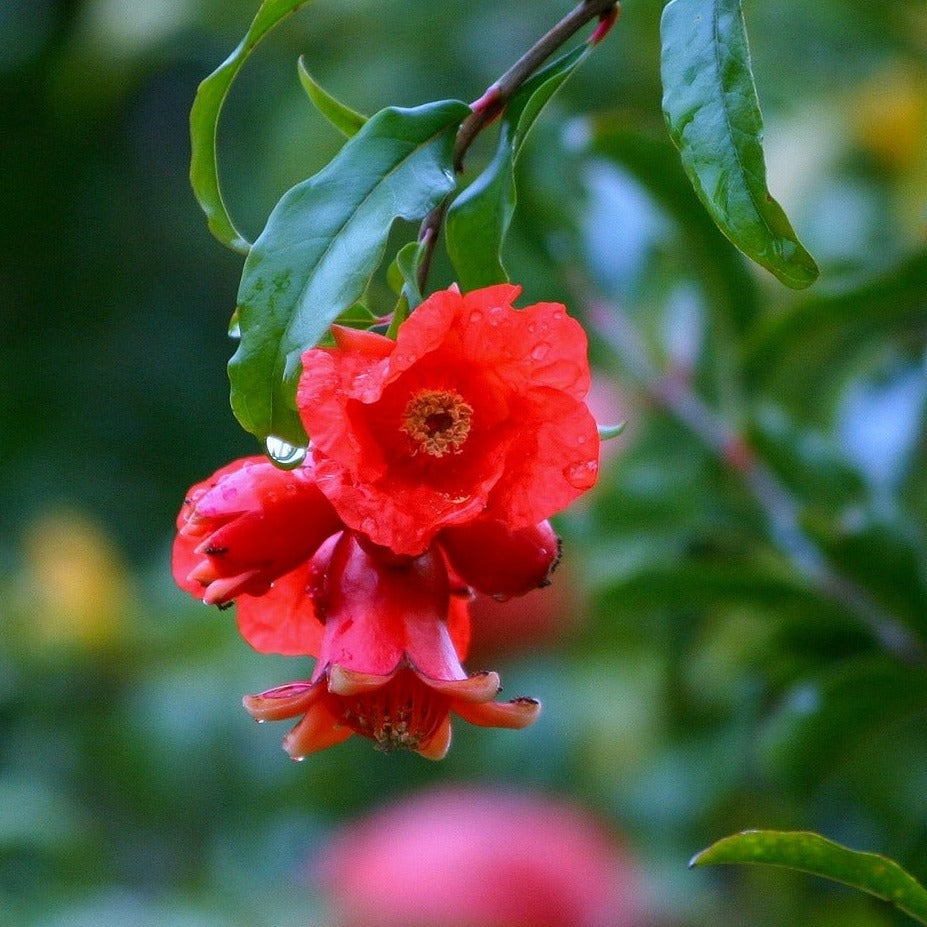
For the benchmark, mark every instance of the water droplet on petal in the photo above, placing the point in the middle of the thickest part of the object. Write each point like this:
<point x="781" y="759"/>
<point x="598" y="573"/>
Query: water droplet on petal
<point x="476" y="317"/>
<point x="540" y="351"/>
<point x="368" y="525"/>
<point x="582" y="475"/>
<point x="284" y="455"/>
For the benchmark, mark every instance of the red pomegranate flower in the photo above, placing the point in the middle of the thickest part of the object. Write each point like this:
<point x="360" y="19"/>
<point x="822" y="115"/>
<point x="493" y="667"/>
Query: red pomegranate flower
<point x="392" y="637"/>
<point x="480" y="857"/>
<point x="476" y="410"/>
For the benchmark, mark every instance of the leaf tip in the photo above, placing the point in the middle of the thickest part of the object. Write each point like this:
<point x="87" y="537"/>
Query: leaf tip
<point x="607" y="432"/>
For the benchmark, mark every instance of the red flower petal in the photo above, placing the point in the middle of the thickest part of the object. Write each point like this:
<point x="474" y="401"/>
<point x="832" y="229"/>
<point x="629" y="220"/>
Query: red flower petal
<point x="477" y="405"/>
<point x="283" y="619"/>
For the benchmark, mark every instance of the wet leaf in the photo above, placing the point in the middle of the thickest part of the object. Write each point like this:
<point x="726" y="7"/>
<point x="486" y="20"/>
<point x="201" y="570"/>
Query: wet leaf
<point x="320" y="247"/>
<point x="809" y="852"/>
<point x="713" y="115"/>
<point x="346" y="120"/>
<point x="204" y="123"/>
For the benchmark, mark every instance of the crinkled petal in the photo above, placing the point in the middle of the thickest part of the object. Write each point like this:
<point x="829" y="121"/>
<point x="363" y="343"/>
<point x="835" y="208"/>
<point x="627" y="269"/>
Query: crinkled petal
<point x="548" y="467"/>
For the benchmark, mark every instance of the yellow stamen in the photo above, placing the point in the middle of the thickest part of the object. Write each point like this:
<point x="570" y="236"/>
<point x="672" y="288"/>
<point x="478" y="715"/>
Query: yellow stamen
<point x="437" y="421"/>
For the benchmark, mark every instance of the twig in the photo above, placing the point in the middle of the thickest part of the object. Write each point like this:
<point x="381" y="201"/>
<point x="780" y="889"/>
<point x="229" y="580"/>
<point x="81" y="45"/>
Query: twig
<point x="493" y="101"/>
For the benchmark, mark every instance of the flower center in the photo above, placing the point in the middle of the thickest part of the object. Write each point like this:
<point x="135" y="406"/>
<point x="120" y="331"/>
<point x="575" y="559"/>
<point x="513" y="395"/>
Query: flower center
<point x="437" y="421"/>
<point x="403" y="713"/>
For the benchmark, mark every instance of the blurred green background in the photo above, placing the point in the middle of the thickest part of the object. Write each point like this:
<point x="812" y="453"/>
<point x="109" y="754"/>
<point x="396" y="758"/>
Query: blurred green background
<point x="738" y="638"/>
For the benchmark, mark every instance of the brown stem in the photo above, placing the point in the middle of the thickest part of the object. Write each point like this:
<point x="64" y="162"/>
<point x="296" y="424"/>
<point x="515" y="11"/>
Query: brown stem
<point x="493" y="101"/>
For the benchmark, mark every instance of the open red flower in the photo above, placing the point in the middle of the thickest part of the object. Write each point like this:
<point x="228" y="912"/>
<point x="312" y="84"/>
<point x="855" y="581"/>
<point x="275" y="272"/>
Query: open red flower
<point x="393" y="635"/>
<point x="476" y="410"/>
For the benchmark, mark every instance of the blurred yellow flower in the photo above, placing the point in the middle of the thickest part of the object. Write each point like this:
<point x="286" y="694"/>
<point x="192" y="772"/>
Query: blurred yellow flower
<point x="78" y="587"/>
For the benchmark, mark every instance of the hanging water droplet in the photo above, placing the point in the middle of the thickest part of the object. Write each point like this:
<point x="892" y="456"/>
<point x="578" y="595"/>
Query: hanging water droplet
<point x="582" y="475"/>
<point x="234" y="326"/>
<point x="284" y="455"/>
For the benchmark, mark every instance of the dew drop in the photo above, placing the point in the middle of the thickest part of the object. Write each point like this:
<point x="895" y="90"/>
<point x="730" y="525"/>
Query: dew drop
<point x="581" y="475"/>
<point x="368" y="525"/>
<point x="235" y="326"/>
<point x="284" y="455"/>
<point x="476" y="317"/>
<point x="540" y="351"/>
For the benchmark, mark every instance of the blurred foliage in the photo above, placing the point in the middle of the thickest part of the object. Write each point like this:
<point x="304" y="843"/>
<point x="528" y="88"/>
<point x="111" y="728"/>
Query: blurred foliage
<point x="748" y="648"/>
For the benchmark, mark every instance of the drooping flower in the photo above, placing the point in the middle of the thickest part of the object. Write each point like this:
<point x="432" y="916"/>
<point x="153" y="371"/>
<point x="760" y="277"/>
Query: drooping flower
<point x="475" y="411"/>
<point x="388" y="668"/>
<point x="246" y="528"/>
<point x="484" y="857"/>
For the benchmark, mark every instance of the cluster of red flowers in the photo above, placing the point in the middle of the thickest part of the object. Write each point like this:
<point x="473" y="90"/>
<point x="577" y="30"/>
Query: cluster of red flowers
<point x="435" y="460"/>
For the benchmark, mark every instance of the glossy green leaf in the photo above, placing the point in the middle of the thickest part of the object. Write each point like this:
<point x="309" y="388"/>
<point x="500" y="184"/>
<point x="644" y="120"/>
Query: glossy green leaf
<point x="479" y="218"/>
<point x="322" y="243"/>
<point x="346" y="120"/>
<point x="204" y="123"/>
<point x="824" y="719"/>
<point x="809" y="852"/>
<point x="713" y="115"/>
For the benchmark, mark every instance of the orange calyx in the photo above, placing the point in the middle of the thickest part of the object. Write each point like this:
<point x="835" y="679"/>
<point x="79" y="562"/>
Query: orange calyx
<point x="437" y="421"/>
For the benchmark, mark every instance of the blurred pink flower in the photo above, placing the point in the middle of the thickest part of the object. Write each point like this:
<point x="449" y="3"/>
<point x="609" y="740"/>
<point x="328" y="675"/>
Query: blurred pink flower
<point x="461" y="857"/>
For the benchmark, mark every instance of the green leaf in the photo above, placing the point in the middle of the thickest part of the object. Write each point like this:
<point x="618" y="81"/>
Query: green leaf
<point x="607" y="432"/>
<point x="346" y="120"/>
<point x="809" y="852"/>
<point x="204" y="123"/>
<point x="479" y="218"/>
<point x="322" y="243"/>
<point x="402" y="276"/>
<point x="713" y="115"/>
